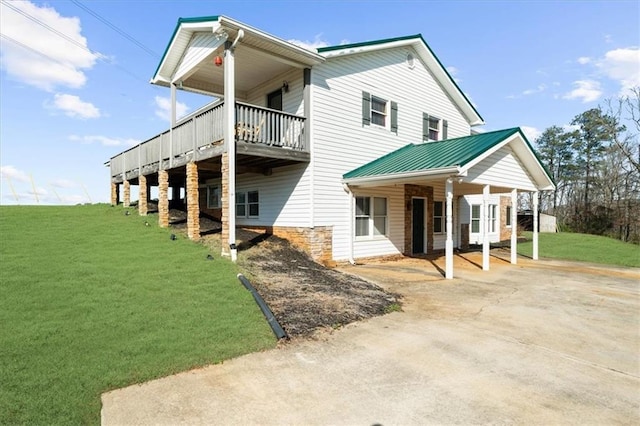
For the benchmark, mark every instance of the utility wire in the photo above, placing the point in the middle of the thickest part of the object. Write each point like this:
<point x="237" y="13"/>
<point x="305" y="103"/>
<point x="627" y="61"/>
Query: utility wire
<point x="116" y="29"/>
<point x="98" y="55"/>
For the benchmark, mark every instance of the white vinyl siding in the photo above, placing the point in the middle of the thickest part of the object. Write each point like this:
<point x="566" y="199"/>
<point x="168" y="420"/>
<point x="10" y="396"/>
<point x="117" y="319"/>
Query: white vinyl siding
<point x="502" y="169"/>
<point x="338" y="131"/>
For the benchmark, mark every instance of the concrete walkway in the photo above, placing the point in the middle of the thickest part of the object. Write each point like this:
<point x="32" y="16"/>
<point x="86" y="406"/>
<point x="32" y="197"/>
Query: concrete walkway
<point x="543" y="343"/>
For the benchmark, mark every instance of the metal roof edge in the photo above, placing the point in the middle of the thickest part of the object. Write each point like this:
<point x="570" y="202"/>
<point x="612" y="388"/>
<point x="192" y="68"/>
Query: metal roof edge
<point x="181" y="21"/>
<point x="367" y="43"/>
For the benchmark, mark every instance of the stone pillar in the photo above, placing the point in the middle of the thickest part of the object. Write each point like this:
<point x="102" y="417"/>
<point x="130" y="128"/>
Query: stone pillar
<point x="224" y="193"/>
<point x="143" y="197"/>
<point x="163" y="199"/>
<point x="127" y="193"/>
<point x="115" y="194"/>
<point x="193" y="207"/>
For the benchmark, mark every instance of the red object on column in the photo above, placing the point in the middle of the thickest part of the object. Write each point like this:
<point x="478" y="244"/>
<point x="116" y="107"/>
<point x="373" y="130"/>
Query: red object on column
<point x="217" y="60"/>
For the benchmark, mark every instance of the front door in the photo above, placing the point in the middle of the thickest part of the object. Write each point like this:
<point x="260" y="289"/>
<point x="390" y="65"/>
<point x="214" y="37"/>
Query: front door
<point x="417" y="220"/>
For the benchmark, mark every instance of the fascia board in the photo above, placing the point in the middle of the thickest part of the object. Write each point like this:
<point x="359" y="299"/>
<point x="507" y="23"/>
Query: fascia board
<point x="445" y="171"/>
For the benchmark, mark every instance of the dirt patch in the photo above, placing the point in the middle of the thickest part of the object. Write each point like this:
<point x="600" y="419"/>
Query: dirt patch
<point x="306" y="298"/>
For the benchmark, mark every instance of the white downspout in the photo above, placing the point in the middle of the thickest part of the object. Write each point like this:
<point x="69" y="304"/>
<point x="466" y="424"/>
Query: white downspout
<point x="351" y="223"/>
<point x="229" y="132"/>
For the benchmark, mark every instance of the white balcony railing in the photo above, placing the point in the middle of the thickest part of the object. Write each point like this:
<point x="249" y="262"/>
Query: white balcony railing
<point x="195" y="135"/>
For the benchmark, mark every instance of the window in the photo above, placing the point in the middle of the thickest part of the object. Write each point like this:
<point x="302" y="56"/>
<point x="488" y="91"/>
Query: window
<point x="274" y="100"/>
<point x="433" y="128"/>
<point x="508" y="218"/>
<point x="371" y="216"/>
<point x="379" y="111"/>
<point x="493" y="208"/>
<point x="475" y="218"/>
<point x="438" y="227"/>
<point x="253" y="202"/>
<point x="248" y="204"/>
<point x="213" y="197"/>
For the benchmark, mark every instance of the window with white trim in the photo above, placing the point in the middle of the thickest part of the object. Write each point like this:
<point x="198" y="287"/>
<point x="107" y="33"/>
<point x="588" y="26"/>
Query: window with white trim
<point x="213" y="197"/>
<point x="434" y="128"/>
<point x="475" y="218"/>
<point x="371" y="216"/>
<point x="438" y="217"/>
<point x="493" y="209"/>
<point x="379" y="112"/>
<point x="248" y="204"/>
<point x="508" y="218"/>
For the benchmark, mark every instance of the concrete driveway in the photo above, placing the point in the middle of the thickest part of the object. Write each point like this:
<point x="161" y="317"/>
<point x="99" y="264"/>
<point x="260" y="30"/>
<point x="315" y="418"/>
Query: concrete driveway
<point x="538" y="343"/>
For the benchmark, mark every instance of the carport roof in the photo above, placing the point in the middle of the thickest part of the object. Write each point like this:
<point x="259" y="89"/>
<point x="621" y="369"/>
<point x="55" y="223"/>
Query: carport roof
<point x="444" y="154"/>
<point x="451" y="157"/>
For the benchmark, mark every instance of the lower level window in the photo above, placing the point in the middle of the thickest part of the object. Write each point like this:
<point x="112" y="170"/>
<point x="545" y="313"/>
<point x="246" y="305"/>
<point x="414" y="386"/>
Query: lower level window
<point x="213" y="197"/>
<point x="438" y="214"/>
<point x="248" y="204"/>
<point x="493" y="208"/>
<point x="371" y="216"/>
<point x="508" y="218"/>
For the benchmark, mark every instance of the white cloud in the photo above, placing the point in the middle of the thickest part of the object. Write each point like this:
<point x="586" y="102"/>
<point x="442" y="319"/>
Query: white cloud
<point x="540" y="88"/>
<point x="38" y="56"/>
<point x="73" y="106"/>
<point x="585" y="90"/>
<point x="163" y="108"/>
<point x="584" y="60"/>
<point x="103" y="140"/>
<point x="531" y="133"/>
<point x="622" y="66"/>
<point x="11" y="172"/>
<point x="312" y="45"/>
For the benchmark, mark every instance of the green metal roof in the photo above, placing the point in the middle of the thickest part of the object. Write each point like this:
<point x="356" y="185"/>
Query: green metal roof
<point x="432" y="155"/>
<point x="367" y="43"/>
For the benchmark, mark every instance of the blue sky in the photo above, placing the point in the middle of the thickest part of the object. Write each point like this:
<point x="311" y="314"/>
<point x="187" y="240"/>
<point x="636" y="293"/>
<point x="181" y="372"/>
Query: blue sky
<point x="74" y="91"/>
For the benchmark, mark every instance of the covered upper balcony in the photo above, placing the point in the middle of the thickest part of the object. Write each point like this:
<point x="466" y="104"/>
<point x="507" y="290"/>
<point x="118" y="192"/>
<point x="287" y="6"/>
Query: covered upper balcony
<point x="264" y="79"/>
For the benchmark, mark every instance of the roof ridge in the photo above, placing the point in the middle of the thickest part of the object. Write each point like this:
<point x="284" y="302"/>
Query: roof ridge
<point x="367" y="43"/>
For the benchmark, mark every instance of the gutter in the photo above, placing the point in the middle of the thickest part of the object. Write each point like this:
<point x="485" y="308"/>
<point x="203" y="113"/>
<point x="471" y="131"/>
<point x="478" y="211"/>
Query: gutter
<point x="447" y="171"/>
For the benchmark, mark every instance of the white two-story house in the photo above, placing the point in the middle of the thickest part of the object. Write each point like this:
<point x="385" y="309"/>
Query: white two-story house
<point x="352" y="151"/>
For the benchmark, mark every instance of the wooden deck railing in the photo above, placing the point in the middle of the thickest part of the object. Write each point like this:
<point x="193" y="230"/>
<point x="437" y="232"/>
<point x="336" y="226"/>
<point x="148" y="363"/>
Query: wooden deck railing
<point x="196" y="136"/>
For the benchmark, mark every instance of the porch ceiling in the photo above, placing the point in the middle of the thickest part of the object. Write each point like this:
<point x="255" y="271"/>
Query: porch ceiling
<point x="259" y="57"/>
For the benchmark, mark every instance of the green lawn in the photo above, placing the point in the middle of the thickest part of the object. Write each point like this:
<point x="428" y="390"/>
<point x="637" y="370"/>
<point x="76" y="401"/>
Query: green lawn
<point x="583" y="247"/>
<point x="93" y="300"/>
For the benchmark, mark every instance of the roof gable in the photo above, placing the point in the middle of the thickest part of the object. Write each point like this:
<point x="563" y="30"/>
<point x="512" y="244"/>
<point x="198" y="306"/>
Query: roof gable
<point x="426" y="55"/>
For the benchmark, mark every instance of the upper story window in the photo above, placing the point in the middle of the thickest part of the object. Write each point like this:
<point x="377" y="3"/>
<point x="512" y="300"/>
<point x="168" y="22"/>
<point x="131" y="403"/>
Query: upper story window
<point x="433" y="128"/>
<point x="379" y="111"/>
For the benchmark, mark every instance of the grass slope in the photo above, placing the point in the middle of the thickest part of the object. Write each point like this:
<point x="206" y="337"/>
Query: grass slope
<point x="93" y="300"/>
<point x="583" y="247"/>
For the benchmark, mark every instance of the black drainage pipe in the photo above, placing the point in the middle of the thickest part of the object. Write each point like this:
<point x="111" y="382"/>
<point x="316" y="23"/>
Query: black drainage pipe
<point x="271" y="319"/>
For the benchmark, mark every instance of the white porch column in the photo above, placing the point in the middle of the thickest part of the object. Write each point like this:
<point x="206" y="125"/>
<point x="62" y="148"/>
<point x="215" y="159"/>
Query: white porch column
<point x="352" y="226"/>
<point x="486" y="248"/>
<point x="230" y="141"/>
<point x="514" y="226"/>
<point x="449" y="242"/>
<point x="535" y="225"/>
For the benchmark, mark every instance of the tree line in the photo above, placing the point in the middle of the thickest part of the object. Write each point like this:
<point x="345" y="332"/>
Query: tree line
<point x="595" y="163"/>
